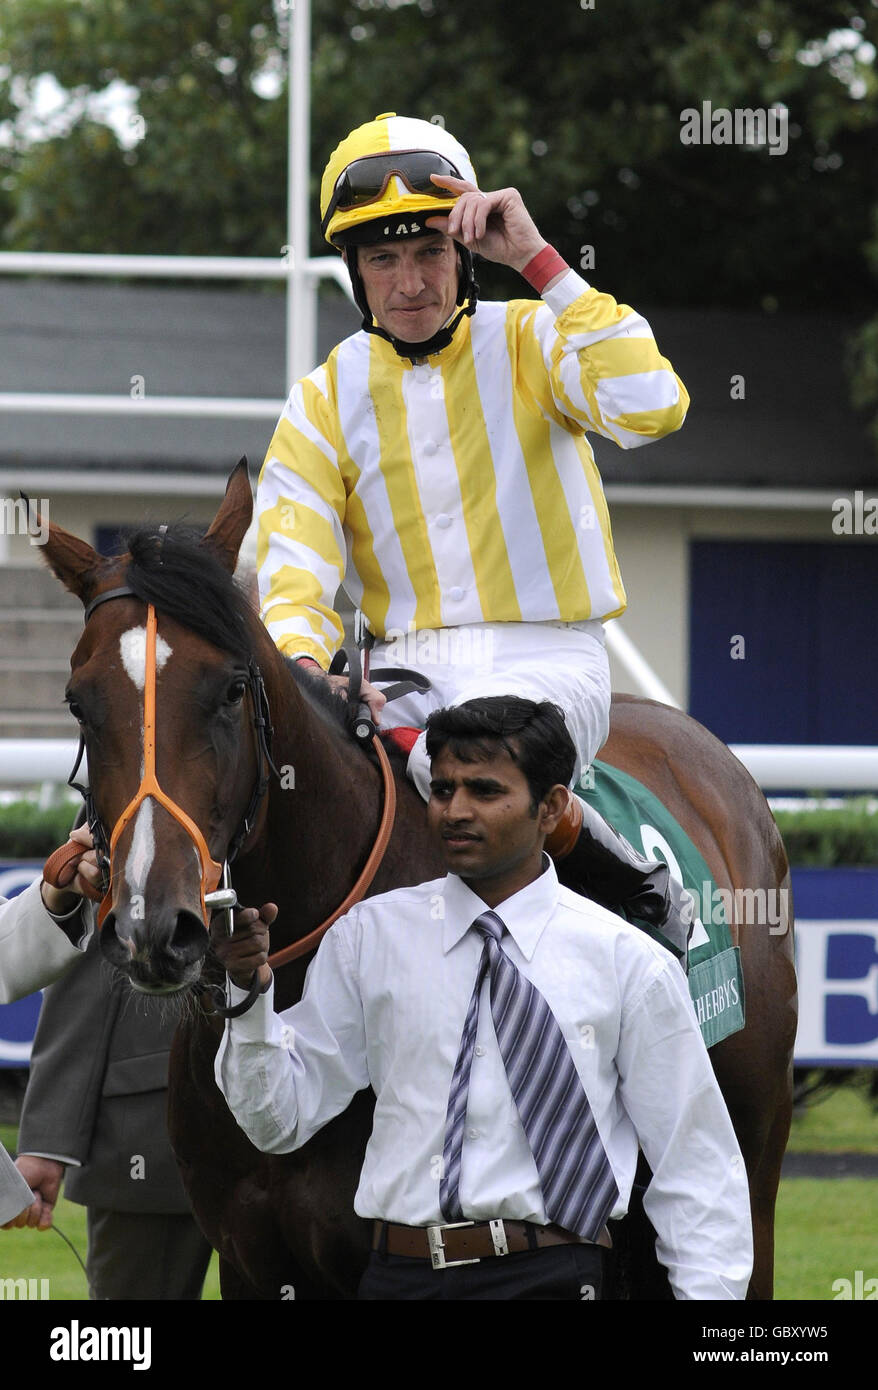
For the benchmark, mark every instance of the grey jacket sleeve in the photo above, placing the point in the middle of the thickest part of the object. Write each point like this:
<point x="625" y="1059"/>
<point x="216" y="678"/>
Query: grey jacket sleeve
<point x="69" y="1058"/>
<point x="34" y="951"/>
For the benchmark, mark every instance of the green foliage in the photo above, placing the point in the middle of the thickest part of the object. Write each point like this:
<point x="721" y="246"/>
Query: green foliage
<point x="826" y="837"/>
<point x="209" y="174"/>
<point x="29" y="832"/>
<point x="821" y="837"/>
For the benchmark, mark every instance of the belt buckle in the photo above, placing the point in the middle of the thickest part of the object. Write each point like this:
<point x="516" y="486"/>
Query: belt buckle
<point x="437" y="1245"/>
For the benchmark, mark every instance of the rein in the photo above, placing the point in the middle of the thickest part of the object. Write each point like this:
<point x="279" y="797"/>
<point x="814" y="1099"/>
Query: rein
<point x="370" y="868"/>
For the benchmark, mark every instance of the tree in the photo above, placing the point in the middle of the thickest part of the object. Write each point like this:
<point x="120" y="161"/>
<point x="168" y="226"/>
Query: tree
<point x="208" y="174"/>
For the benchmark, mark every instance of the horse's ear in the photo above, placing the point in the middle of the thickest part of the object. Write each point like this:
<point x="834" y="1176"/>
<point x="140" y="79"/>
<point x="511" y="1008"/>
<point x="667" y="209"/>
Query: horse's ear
<point x="229" y="526"/>
<point x="74" y="561"/>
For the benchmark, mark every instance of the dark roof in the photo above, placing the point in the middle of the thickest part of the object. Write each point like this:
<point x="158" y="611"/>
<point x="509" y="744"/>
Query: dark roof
<point x="93" y="337"/>
<point x="794" y="427"/>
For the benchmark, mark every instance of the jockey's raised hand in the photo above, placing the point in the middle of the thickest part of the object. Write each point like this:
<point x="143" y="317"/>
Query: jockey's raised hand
<point x="495" y="225"/>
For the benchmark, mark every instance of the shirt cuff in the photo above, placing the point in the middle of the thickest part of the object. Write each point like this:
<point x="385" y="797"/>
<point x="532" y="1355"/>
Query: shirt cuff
<point x="255" y="1025"/>
<point x="309" y="656"/>
<point x="55" y="1158"/>
<point x="565" y="292"/>
<point x="73" y="924"/>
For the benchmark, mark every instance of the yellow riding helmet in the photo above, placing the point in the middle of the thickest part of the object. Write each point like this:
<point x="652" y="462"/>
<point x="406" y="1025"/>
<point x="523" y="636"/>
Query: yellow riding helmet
<point x="388" y="134"/>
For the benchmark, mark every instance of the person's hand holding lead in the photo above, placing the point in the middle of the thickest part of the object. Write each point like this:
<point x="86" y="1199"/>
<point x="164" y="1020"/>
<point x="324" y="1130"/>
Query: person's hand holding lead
<point x="246" y="951"/>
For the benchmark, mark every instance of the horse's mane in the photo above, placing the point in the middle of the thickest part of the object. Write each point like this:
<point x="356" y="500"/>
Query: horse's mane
<point x="174" y="569"/>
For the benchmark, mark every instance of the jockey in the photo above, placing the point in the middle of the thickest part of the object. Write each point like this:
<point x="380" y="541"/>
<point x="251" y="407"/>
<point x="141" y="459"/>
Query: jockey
<point x="437" y="464"/>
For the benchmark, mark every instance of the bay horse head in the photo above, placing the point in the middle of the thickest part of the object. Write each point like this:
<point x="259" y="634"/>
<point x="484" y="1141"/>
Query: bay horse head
<point x="171" y="712"/>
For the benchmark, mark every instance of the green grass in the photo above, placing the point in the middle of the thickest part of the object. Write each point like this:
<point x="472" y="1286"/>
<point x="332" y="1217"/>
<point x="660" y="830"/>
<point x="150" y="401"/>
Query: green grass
<point x="28" y="1254"/>
<point x="843" y="1120"/>
<point x="824" y="1230"/>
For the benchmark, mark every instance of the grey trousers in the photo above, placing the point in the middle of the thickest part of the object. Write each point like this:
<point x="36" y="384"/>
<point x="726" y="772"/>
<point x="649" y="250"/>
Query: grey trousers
<point x="137" y="1255"/>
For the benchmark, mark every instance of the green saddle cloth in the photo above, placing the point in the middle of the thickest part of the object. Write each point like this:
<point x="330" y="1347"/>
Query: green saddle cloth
<point x="715" y="980"/>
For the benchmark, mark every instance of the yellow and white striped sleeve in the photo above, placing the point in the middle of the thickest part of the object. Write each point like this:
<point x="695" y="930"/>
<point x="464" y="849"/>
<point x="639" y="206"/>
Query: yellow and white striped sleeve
<point x="301" y="506"/>
<point x="601" y="366"/>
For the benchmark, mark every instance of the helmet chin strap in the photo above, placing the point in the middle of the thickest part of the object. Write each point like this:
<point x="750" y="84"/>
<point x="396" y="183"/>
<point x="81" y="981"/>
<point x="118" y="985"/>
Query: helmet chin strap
<point x="467" y="295"/>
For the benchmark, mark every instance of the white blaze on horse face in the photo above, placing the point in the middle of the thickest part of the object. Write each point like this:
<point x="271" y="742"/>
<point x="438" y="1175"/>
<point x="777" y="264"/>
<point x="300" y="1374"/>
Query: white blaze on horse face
<point x="132" y="646"/>
<point x="142" y="851"/>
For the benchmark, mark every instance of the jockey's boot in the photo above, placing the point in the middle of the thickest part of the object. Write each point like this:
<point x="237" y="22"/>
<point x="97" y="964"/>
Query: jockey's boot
<point x="592" y="859"/>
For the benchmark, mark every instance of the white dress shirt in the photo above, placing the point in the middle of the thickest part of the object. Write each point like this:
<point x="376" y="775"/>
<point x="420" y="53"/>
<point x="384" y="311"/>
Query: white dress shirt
<point x="384" y="1005"/>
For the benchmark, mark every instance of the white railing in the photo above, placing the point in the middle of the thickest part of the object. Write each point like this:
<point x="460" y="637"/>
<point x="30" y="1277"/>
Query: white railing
<point x="803" y="768"/>
<point x="184" y="268"/>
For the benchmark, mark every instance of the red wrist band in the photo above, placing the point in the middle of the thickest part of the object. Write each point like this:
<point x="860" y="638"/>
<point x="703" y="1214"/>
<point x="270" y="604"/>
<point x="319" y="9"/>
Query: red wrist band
<point x="545" y="265"/>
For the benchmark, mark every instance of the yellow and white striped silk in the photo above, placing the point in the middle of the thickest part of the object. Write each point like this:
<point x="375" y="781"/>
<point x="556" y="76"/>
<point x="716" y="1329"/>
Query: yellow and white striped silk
<point x="462" y="489"/>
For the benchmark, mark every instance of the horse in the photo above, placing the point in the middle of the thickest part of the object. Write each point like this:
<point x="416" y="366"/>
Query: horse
<point x="184" y="784"/>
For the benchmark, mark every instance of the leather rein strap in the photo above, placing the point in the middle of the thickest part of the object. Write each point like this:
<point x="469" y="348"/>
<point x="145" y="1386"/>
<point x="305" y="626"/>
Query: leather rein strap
<point x="370" y="868"/>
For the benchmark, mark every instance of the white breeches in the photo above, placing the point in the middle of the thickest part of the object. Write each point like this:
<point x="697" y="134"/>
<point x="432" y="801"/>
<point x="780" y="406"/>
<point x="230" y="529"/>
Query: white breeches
<point x="563" y="662"/>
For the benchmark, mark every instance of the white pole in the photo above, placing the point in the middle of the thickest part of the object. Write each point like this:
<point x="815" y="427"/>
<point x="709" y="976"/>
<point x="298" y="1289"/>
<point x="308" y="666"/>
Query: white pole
<point x="638" y="668"/>
<point x="301" y="288"/>
<point x="804" y="768"/>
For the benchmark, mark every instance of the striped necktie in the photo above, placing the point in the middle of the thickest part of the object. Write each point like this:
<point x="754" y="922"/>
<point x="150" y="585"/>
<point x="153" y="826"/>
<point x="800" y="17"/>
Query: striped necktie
<point x="579" y="1190"/>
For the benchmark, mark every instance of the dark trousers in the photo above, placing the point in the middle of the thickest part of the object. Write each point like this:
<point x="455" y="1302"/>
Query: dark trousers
<point x="138" y="1255"/>
<point x="557" y="1272"/>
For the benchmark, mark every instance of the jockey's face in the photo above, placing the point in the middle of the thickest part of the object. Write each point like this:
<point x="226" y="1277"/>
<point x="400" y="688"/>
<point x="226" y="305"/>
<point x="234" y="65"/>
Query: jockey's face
<point x="411" y="286"/>
<point x="490" y="832"/>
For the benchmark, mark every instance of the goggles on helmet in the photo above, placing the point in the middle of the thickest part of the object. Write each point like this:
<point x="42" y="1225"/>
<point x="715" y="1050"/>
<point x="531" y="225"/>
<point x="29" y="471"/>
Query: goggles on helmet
<point x="365" y="180"/>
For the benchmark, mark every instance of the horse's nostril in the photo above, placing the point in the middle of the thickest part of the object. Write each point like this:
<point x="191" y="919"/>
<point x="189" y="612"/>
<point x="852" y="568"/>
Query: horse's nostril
<point x="189" y="939"/>
<point x="111" y="947"/>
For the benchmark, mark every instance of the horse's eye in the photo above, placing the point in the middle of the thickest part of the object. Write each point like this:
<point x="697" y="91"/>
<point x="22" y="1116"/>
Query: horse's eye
<point x="76" y="709"/>
<point x="236" y="691"/>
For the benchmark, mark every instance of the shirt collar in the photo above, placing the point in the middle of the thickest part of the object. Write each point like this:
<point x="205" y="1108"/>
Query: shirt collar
<point x="525" y="914"/>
